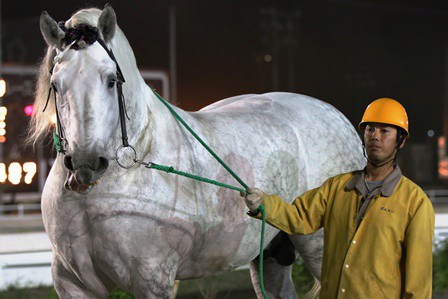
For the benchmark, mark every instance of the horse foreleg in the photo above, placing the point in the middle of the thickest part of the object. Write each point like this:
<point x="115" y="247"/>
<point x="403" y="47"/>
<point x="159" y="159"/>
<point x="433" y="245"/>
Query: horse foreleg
<point x="153" y="278"/>
<point x="67" y="285"/>
<point x="310" y="248"/>
<point x="277" y="279"/>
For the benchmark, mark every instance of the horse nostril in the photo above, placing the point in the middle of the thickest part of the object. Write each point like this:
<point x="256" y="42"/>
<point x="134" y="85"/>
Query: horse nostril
<point x="68" y="162"/>
<point x="103" y="164"/>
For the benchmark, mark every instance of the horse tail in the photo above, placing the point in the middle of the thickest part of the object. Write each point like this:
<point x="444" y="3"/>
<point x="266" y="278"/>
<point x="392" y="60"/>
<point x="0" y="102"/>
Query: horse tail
<point x="315" y="290"/>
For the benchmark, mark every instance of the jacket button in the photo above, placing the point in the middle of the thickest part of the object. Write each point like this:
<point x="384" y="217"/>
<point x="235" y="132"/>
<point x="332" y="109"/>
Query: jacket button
<point x="353" y="242"/>
<point x="343" y="290"/>
<point x="347" y="266"/>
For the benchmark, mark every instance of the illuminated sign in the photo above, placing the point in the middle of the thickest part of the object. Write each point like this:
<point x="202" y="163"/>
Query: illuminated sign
<point x="2" y="87"/>
<point x="17" y="173"/>
<point x="3" y="112"/>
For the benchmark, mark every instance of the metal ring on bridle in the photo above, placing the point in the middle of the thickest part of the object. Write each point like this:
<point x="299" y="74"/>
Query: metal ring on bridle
<point x="133" y="160"/>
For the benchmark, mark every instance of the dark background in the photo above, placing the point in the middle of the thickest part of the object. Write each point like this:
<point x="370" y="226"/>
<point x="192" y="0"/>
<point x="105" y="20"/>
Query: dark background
<point x="345" y="52"/>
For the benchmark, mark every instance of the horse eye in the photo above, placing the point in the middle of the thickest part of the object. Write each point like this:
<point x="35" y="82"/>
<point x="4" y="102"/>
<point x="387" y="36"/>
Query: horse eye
<point x="111" y="83"/>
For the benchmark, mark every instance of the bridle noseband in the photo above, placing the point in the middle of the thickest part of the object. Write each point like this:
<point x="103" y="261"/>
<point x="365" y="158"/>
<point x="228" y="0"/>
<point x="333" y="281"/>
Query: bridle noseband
<point x="77" y="38"/>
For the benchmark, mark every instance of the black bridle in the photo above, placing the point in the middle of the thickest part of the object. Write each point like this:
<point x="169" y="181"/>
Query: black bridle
<point x="88" y="34"/>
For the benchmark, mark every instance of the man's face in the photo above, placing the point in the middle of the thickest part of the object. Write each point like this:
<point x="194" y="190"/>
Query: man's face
<point x="380" y="141"/>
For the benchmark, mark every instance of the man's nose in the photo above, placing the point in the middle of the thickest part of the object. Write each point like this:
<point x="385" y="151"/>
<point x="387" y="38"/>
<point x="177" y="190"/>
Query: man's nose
<point x="374" y="134"/>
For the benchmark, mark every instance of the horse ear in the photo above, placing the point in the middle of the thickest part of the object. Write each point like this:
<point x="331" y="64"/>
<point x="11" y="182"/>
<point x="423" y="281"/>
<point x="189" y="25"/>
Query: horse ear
<point x="51" y="32"/>
<point x="107" y="23"/>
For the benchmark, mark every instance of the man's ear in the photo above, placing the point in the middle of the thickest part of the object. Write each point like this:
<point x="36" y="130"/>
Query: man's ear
<point x="402" y="142"/>
<point x="401" y="138"/>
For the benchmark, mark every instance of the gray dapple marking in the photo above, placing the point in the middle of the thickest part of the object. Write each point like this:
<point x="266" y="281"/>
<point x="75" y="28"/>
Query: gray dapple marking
<point x="142" y="229"/>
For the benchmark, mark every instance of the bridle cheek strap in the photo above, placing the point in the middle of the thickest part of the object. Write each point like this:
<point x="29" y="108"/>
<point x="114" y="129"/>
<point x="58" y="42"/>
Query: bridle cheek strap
<point x="58" y="135"/>
<point x="92" y="36"/>
<point x="121" y="100"/>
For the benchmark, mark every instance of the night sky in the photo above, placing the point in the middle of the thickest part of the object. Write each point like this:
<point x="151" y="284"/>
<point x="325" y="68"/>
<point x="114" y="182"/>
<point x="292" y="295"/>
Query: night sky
<point x="344" y="52"/>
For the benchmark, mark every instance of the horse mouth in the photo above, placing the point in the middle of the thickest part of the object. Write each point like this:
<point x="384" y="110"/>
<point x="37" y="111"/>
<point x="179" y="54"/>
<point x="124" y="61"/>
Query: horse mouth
<point x="73" y="185"/>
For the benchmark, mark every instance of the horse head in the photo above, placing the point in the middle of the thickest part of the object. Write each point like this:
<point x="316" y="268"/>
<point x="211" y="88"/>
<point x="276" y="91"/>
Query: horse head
<point x="84" y="79"/>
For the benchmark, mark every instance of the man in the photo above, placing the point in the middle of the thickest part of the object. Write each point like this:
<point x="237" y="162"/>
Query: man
<point x="378" y="224"/>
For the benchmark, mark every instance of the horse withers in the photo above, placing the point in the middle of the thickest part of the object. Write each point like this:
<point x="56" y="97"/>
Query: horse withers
<point x="140" y="229"/>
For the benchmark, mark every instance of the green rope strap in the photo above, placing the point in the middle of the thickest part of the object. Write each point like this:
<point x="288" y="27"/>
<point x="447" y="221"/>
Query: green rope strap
<point x="171" y="169"/>
<point x="260" y="267"/>
<point x="57" y="143"/>
<point x="200" y="140"/>
<point x="192" y="176"/>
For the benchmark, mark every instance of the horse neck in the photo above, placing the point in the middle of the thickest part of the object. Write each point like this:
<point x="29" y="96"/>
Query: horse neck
<point x="171" y="141"/>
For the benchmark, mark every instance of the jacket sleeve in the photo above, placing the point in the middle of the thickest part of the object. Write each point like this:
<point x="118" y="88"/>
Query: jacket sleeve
<point x="418" y="253"/>
<point x="304" y="216"/>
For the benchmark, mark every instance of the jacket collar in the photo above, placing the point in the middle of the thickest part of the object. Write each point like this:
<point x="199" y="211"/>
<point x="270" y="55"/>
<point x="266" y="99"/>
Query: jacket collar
<point x="358" y="181"/>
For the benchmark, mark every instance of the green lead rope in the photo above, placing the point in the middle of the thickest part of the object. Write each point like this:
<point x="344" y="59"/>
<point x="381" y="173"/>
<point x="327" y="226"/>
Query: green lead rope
<point x="174" y="113"/>
<point x="171" y="169"/>
<point x="192" y="176"/>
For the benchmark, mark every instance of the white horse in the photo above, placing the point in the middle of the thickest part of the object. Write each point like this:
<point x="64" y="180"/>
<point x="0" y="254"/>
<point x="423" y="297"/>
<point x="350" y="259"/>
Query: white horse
<point x="142" y="229"/>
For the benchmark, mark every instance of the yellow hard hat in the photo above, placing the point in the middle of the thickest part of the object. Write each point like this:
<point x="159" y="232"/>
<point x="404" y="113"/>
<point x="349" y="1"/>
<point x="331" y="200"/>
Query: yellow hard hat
<point x="386" y="111"/>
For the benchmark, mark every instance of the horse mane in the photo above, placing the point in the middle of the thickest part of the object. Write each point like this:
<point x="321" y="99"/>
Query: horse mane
<point x="40" y="123"/>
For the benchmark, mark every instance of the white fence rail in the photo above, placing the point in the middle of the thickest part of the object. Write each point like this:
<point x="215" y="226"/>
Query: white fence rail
<point x="438" y="196"/>
<point x="20" y="209"/>
<point x="25" y="260"/>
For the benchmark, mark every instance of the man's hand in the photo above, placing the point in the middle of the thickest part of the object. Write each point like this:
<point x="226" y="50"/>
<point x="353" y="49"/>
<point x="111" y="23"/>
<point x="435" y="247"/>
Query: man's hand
<point x="253" y="199"/>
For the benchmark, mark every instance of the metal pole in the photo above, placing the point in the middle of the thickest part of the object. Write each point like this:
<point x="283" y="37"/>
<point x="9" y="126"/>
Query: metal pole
<point x="445" y="104"/>
<point x="173" y="66"/>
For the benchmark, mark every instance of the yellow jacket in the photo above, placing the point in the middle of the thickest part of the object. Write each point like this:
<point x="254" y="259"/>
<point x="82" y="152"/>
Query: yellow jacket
<point x="388" y="255"/>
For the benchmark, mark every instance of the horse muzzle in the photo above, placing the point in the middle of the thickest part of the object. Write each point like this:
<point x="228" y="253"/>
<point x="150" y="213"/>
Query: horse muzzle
<point x="83" y="178"/>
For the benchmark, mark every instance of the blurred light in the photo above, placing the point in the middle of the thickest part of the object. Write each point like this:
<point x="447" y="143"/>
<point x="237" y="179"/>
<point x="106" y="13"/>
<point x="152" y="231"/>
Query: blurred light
<point x="441" y="142"/>
<point x="2" y="139"/>
<point x="3" y="175"/>
<point x="2" y="124"/>
<point x="53" y="120"/>
<point x="14" y="173"/>
<point x="28" y="110"/>
<point x="443" y="169"/>
<point x="30" y="168"/>
<point x="267" y="58"/>
<point x="3" y="110"/>
<point x="2" y="132"/>
<point x="430" y="133"/>
<point x="2" y="87"/>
